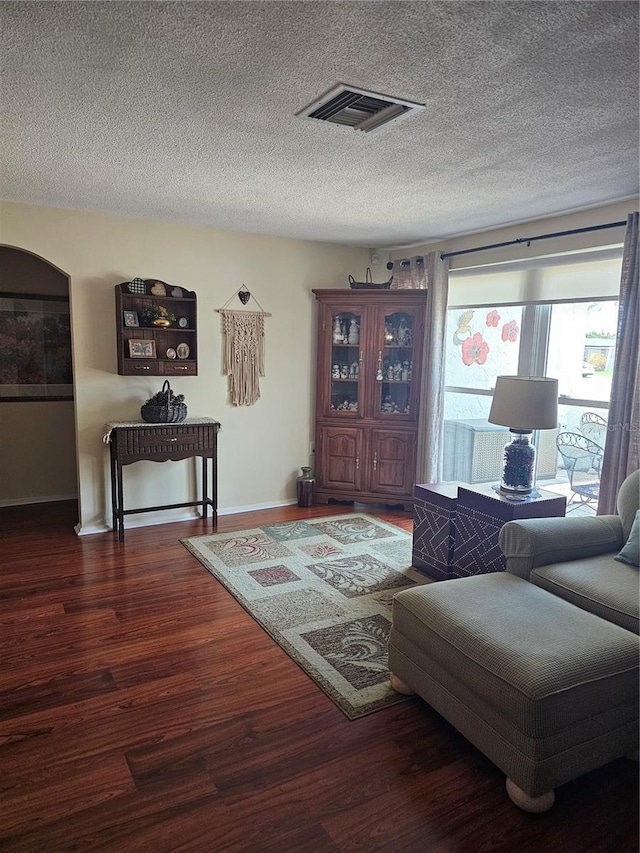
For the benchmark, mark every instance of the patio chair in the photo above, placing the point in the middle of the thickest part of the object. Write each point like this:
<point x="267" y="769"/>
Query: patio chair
<point x="594" y="426"/>
<point x="582" y="460"/>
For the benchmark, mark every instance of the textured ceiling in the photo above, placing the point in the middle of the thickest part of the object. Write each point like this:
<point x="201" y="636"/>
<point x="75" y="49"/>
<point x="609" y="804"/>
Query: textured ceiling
<point x="185" y="112"/>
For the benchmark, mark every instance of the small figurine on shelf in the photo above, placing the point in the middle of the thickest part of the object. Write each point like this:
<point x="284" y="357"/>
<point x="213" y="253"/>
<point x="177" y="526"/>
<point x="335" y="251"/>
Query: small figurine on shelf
<point x="354" y="370"/>
<point x="390" y="372"/>
<point x="157" y="315"/>
<point x="404" y="334"/>
<point x="389" y="336"/>
<point x="337" y="331"/>
<point x="397" y="371"/>
<point x="405" y="371"/>
<point x="335" y="371"/>
<point x="354" y="332"/>
<point x="344" y="372"/>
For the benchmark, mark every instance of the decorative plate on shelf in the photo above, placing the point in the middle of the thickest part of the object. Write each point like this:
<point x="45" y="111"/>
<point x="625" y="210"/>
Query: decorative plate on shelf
<point x="183" y="322"/>
<point x="171" y="353"/>
<point x="177" y="292"/>
<point x="158" y="288"/>
<point x="183" y="351"/>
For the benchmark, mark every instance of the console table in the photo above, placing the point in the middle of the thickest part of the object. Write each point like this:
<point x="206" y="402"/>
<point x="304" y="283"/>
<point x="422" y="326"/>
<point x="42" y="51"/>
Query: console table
<point x="136" y="441"/>
<point x="456" y="526"/>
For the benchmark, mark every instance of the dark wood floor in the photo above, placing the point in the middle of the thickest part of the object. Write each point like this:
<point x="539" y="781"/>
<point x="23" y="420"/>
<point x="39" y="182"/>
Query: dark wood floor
<point x="143" y="710"/>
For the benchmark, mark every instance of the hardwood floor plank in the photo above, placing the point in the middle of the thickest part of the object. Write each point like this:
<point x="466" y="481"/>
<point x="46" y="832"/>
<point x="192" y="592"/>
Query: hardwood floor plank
<point x="107" y="825"/>
<point x="30" y="696"/>
<point x="35" y="798"/>
<point x="142" y="709"/>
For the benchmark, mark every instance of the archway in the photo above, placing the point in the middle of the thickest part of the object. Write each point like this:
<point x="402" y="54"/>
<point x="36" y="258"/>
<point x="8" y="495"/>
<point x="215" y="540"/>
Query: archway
<point x="37" y="411"/>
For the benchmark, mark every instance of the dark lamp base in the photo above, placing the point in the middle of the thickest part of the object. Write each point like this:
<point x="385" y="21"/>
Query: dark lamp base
<point x="519" y="465"/>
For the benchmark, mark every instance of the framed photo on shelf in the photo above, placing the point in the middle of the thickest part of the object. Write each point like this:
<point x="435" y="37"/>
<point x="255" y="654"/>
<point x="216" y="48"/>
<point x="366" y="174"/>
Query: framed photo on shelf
<point x="131" y="318"/>
<point x="140" y="348"/>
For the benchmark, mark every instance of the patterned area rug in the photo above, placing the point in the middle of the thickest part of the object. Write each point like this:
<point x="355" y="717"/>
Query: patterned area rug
<point x="322" y="589"/>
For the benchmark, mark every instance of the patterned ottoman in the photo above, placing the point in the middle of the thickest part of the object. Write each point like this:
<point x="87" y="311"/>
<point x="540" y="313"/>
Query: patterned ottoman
<point x="544" y="689"/>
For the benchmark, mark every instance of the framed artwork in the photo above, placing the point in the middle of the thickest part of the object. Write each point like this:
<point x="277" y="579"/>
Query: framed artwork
<point x="131" y="318"/>
<point x="35" y="348"/>
<point x="140" y="348"/>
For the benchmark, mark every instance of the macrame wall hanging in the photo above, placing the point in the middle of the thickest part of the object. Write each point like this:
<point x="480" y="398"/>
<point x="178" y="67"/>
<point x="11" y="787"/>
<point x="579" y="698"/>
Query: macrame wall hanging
<point x="243" y="349"/>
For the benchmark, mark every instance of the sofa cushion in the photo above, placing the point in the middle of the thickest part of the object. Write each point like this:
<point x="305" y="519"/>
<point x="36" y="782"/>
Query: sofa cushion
<point x="597" y="584"/>
<point x="630" y="553"/>
<point x="627" y="502"/>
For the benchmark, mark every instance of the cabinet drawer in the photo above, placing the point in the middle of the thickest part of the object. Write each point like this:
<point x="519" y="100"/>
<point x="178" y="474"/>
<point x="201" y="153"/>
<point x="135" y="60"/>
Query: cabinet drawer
<point x="142" y="365"/>
<point x="178" y="368"/>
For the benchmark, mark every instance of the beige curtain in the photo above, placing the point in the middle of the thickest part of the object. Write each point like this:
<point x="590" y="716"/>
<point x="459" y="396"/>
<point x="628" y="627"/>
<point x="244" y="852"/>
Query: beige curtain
<point x="621" y="450"/>
<point x="409" y="273"/>
<point x="429" y="271"/>
<point x="430" y="433"/>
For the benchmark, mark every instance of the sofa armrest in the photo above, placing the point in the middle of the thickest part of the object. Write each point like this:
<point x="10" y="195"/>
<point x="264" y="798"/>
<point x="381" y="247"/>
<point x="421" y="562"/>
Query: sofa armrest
<point x="536" y="542"/>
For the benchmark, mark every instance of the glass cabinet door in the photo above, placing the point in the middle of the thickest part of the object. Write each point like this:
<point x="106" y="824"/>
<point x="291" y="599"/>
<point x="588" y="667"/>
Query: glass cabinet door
<point x="394" y="369"/>
<point x="346" y="362"/>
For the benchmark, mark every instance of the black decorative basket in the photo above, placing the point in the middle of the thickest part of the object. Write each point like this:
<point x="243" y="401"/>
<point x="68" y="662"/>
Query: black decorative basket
<point x="164" y="407"/>
<point x="369" y="284"/>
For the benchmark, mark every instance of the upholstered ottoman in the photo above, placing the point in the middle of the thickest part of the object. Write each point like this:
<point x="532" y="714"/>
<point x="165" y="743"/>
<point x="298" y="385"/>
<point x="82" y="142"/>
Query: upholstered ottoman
<point x="544" y="689"/>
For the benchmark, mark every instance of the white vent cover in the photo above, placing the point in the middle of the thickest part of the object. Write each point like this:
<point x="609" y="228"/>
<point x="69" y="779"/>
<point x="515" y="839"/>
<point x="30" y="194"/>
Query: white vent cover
<point x="358" y="108"/>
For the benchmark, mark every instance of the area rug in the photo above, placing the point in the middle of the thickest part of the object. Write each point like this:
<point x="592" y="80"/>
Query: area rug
<point x="322" y="588"/>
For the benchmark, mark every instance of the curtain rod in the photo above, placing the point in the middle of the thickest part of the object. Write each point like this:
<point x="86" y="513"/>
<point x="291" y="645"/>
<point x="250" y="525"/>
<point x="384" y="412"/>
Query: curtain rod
<point x="529" y="240"/>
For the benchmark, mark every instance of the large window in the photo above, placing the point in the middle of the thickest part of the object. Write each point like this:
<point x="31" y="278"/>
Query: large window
<point x="562" y="324"/>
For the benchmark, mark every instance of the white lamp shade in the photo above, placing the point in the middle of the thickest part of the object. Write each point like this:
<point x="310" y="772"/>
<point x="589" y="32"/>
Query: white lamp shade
<point x="525" y="402"/>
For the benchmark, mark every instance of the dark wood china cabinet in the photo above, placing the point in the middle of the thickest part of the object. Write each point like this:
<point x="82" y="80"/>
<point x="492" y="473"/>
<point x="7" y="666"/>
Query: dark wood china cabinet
<point x="367" y="403"/>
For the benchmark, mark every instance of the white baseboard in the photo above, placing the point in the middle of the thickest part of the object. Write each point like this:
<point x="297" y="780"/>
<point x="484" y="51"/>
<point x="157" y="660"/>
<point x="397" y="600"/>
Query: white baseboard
<point x="253" y="507"/>
<point x="88" y="530"/>
<point x="25" y="501"/>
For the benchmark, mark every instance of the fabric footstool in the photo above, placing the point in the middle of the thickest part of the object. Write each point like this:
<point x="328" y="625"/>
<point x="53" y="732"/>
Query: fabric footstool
<point x="545" y="690"/>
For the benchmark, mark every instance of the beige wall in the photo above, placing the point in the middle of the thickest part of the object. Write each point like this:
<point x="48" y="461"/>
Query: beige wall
<point x="38" y="453"/>
<point x="260" y="447"/>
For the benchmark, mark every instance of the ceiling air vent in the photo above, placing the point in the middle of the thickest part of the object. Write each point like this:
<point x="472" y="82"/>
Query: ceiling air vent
<point x="358" y="108"/>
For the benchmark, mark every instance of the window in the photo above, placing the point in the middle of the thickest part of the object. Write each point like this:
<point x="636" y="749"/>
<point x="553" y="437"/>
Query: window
<point x="562" y="323"/>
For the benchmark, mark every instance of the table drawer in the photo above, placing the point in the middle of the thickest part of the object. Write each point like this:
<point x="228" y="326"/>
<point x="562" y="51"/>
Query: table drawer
<point x="166" y="441"/>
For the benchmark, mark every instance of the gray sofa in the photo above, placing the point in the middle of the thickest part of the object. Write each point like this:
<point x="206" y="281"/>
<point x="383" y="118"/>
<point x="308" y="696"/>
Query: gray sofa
<point x="536" y="666"/>
<point x="574" y="558"/>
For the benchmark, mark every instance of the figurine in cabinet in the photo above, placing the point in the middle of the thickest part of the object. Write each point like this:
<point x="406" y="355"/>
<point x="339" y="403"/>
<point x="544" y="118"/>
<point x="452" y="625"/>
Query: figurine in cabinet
<point x="337" y="331"/>
<point x="354" y="332"/>
<point x="404" y="334"/>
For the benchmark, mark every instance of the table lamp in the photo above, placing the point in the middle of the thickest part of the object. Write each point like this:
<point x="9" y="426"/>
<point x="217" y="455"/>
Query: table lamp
<point x="523" y="403"/>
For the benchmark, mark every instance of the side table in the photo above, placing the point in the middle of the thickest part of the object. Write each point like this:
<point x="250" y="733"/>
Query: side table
<point x="133" y="442"/>
<point x="456" y="526"/>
